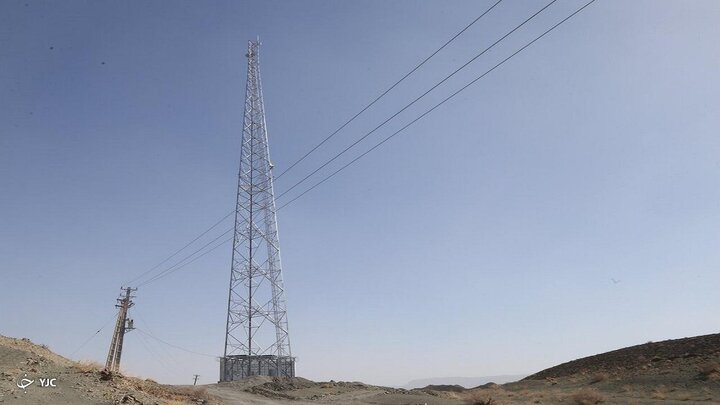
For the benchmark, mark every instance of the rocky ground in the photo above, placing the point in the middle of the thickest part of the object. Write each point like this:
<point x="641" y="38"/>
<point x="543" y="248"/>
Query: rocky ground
<point x="77" y="383"/>
<point x="266" y="390"/>
<point x="671" y="372"/>
<point x="677" y="371"/>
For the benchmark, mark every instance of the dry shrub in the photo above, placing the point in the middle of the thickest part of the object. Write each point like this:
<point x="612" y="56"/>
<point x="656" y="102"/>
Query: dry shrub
<point x="599" y="377"/>
<point x="587" y="396"/>
<point x="659" y="395"/>
<point x="87" y="367"/>
<point x="193" y="393"/>
<point x="487" y="401"/>
<point x="200" y="393"/>
<point x="709" y="370"/>
<point x="659" y="392"/>
<point x="707" y="393"/>
<point x="478" y="398"/>
<point x="170" y="393"/>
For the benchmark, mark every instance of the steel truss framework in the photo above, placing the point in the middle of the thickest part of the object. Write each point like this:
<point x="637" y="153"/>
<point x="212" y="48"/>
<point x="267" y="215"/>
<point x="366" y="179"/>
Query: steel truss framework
<point x="256" y="338"/>
<point x="123" y="325"/>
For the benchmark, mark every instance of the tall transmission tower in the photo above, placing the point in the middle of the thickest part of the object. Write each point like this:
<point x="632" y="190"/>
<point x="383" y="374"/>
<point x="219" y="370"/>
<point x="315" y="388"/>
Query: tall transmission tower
<point x="256" y="333"/>
<point x="123" y="325"/>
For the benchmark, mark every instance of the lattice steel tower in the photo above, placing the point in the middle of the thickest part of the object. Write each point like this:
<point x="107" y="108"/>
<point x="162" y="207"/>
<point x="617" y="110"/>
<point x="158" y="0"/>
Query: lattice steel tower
<point x="256" y="334"/>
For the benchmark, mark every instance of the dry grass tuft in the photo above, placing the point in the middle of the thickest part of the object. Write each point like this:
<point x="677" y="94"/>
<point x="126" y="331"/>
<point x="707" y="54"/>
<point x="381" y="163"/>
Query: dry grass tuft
<point x="709" y="370"/>
<point x="169" y="394"/>
<point x="175" y="402"/>
<point x="87" y="367"/>
<point x="587" y="396"/>
<point x="193" y="393"/>
<point x="659" y="395"/>
<point x="176" y="393"/>
<point x="599" y="377"/>
<point x="659" y="392"/>
<point x="478" y="398"/>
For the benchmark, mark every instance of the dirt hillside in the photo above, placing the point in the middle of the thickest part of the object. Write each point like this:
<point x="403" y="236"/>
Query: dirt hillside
<point x="77" y="383"/>
<point x="677" y="356"/>
<point x="85" y="384"/>
<point x="679" y="371"/>
<point x="300" y="391"/>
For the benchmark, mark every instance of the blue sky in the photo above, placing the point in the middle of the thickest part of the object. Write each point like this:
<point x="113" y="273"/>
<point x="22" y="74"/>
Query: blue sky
<point x="482" y="241"/>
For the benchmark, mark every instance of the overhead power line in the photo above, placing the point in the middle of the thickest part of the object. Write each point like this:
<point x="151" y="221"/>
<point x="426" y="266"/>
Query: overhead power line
<point x="162" y="361"/>
<point x="437" y="105"/>
<point x="181" y="249"/>
<point x="474" y="58"/>
<point x="177" y="266"/>
<point x="94" y="334"/>
<point x="313" y="149"/>
<point x="423" y="62"/>
<point x="172" y="345"/>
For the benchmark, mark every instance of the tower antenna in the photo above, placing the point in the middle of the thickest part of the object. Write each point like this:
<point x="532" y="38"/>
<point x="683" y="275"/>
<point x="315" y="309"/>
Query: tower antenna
<point x="256" y="332"/>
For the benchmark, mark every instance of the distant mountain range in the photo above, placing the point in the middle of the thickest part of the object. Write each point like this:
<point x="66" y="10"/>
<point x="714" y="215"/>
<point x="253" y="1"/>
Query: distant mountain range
<point x="467" y="382"/>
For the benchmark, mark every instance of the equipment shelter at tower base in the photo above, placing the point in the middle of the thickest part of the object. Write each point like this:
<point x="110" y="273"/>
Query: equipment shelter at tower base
<point x="237" y="367"/>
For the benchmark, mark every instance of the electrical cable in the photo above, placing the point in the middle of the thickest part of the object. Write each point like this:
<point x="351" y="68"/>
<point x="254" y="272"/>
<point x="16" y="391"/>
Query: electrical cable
<point x="160" y="359"/>
<point x="416" y="99"/>
<point x="174" y="346"/>
<point x="330" y="136"/>
<point x="177" y="266"/>
<point x="437" y="105"/>
<point x="93" y="335"/>
<point x="181" y="249"/>
<point x="388" y="90"/>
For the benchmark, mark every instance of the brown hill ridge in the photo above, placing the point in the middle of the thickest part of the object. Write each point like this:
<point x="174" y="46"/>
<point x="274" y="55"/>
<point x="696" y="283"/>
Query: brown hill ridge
<point x="681" y="356"/>
<point x="678" y="371"/>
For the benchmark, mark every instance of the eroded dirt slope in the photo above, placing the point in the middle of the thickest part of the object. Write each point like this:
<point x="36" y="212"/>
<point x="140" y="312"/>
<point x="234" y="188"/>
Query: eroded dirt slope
<point x="77" y="383"/>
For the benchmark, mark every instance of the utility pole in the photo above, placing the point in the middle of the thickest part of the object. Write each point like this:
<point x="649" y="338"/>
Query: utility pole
<point x="196" y="377"/>
<point x="122" y="326"/>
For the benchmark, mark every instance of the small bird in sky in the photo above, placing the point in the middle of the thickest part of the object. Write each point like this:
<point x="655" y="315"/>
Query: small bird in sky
<point x="614" y="281"/>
